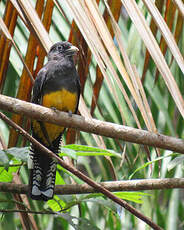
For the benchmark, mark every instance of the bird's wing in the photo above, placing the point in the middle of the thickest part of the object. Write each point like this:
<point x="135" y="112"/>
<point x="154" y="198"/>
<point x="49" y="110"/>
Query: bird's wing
<point x="37" y="88"/>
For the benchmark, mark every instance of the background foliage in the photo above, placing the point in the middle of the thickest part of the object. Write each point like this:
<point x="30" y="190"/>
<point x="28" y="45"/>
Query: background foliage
<point x="124" y="46"/>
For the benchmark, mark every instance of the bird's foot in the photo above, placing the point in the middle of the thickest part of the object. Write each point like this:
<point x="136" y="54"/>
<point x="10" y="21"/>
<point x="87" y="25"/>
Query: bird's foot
<point x="54" y="108"/>
<point x="70" y="113"/>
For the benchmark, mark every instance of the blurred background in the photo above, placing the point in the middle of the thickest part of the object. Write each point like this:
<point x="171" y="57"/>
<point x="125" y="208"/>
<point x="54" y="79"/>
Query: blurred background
<point x="131" y="70"/>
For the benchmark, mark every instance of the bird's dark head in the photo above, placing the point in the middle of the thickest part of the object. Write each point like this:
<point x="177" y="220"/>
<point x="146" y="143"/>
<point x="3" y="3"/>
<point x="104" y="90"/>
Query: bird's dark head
<point x="62" y="49"/>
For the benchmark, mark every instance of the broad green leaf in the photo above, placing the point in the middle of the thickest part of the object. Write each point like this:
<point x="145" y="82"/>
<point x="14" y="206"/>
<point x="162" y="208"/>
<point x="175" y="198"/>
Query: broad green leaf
<point x="12" y="167"/>
<point x="83" y="150"/>
<point x="56" y="204"/>
<point x="59" y="179"/>
<point x="5" y="176"/>
<point x="132" y="196"/>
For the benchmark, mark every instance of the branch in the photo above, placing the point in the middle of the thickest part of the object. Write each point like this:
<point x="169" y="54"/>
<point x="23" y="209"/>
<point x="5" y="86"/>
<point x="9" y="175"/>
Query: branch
<point x="113" y="186"/>
<point x="27" y="211"/>
<point x="80" y="175"/>
<point x="92" y="125"/>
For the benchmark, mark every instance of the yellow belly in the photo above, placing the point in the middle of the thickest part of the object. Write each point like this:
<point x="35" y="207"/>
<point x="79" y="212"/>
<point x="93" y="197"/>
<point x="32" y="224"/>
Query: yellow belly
<point x="62" y="100"/>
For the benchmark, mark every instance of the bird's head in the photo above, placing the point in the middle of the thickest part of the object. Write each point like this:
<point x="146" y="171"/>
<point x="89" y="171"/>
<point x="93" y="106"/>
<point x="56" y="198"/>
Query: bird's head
<point x="62" y="49"/>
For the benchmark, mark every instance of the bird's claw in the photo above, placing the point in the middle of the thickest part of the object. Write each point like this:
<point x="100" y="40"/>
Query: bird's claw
<point x="70" y="113"/>
<point x="54" y="108"/>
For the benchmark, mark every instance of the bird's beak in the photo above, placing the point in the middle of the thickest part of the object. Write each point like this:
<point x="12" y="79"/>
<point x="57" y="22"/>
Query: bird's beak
<point x="72" y="49"/>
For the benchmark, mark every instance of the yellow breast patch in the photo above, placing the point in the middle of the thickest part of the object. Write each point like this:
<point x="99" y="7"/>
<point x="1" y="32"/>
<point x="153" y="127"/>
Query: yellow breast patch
<point x="62" y="100"/>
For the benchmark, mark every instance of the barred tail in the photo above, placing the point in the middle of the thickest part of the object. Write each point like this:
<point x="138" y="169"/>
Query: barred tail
<point x="42" y="176"/>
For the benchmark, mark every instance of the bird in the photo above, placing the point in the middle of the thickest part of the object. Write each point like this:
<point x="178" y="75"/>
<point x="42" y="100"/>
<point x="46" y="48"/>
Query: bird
<point x="57" y="86"/>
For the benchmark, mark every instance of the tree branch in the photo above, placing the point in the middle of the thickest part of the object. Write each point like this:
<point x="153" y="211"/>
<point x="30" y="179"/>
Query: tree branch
<point x="92" y="125"/>
<point x="113" y="186"/>
<point x="82" y="176"/>
<point x="27" y="211"/>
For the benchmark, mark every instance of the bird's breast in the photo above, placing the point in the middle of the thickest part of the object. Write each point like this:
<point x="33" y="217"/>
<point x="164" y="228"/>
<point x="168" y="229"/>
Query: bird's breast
<point x="62" y="100"/>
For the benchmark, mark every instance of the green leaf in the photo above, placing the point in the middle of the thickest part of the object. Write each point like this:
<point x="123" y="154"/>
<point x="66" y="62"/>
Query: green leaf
<point x="68" y="152"/>
<point x="59" y="179"/>
<point x="19" y="153"/>
<point x="132" y="196"/>
<point x="83" y="150"/>
<point x="3" y="157"/>
<point x="56" y="204"/>
<point x="14" y="168"/>
<point x="76" y="179"/>
<point x="176" y="161"/>
<point x="150" y="162"/>
<point x="5" y="176"/>
<point x="83" y="223"/>
<point x="105" y="202"/>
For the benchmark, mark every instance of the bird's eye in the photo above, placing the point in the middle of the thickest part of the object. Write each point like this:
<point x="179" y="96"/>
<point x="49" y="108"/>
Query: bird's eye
<point x="59" y="47"/>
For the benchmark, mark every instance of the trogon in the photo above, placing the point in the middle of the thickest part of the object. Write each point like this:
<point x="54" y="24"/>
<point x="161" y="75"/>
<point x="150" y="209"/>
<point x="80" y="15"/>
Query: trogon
<point x="57" y="86"/>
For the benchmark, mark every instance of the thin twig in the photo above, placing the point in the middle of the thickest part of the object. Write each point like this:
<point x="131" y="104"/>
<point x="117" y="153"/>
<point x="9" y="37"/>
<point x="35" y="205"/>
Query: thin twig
<point x="27" y="211"/>
<point x="80" y="175"/>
